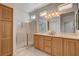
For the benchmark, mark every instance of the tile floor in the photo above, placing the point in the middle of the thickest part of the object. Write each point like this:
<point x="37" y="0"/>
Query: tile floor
<point x="31" y="51"/>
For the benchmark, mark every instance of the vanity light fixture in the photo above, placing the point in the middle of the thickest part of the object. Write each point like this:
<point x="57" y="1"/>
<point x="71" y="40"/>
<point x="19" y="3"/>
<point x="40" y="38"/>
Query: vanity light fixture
<point x="57" y="14"/>
<point x="51" y="15"/>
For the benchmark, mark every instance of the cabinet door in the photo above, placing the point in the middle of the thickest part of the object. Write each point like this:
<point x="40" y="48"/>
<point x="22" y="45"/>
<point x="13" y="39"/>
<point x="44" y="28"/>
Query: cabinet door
<point x="69" y="47"/>
<point x="7" y="13"/>
<point x="41" y="43"/>
<point x="6" y="47"/>
<point x="7" y="29"/>
<point x="57" y="48"/>
<point x="1" y="29"/>
<point x="47" y="44"/>
<point x="36" y="41"/>
<point x="0" y="12"/>
<point x="7" y="38"/>
<point x="77" y="47"/>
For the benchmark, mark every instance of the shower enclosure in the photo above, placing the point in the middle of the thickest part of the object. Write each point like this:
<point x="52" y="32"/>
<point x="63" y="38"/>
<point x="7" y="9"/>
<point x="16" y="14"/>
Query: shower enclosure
<point x="24" y="35"/>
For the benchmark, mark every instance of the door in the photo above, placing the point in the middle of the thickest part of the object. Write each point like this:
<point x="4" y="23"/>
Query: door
<point x="69" y="47"/>
<point x="7" y="38"/>
<point x="57" y="46"/>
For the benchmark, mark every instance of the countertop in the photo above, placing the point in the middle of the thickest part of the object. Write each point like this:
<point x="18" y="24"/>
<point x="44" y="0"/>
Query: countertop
<point x="61" y="35"/>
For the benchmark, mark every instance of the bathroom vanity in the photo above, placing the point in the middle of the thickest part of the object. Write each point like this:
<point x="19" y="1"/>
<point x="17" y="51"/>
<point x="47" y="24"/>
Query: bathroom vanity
<point x="58" y="44"/>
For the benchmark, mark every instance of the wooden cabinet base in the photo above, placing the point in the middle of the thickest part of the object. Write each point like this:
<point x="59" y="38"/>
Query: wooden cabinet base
<point x="57" y="46"/>
<point x="69" y="47"/>
<point x="10" y="54"/>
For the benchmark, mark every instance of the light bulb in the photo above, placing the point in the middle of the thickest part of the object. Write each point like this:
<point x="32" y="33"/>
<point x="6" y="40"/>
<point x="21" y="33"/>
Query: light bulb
<point x="57" y="14"/>
<point x="52" y="14"/>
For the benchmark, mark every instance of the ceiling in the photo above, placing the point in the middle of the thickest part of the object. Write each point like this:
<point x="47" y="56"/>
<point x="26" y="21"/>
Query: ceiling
<point x="27" y="7"/>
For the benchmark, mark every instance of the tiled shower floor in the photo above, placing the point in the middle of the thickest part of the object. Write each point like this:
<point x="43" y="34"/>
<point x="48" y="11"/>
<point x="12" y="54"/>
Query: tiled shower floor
<point x="31" y="51"/>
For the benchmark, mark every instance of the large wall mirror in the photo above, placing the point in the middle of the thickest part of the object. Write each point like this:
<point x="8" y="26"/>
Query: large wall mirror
<point x="67" y="22"/>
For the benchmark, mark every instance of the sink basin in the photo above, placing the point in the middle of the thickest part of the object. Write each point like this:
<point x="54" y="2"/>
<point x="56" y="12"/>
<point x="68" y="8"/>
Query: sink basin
<point x="51" y="32"/>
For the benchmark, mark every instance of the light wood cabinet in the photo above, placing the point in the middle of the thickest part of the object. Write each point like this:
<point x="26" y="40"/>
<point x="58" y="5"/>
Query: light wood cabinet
<point x="69" y="47"/>
<point x="7" y="38"/>
<point x="0" y="46"/>
<point x="1" y="29"/>
<point x="36" y="41"/>
<point x="7" y="13"/>
<point x="0" y="12"/>
<point x="6" y="30"/>
<point x="57" y="46"/>
<point x="6" y="46"/>
<point x="77" y="48"/>
<point x="41" y="43"/>
<point x="47" y="44"/>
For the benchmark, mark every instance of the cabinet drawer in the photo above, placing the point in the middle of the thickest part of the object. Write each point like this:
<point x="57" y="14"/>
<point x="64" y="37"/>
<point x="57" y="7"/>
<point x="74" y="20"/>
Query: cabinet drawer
<point x="47" y="38"/>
